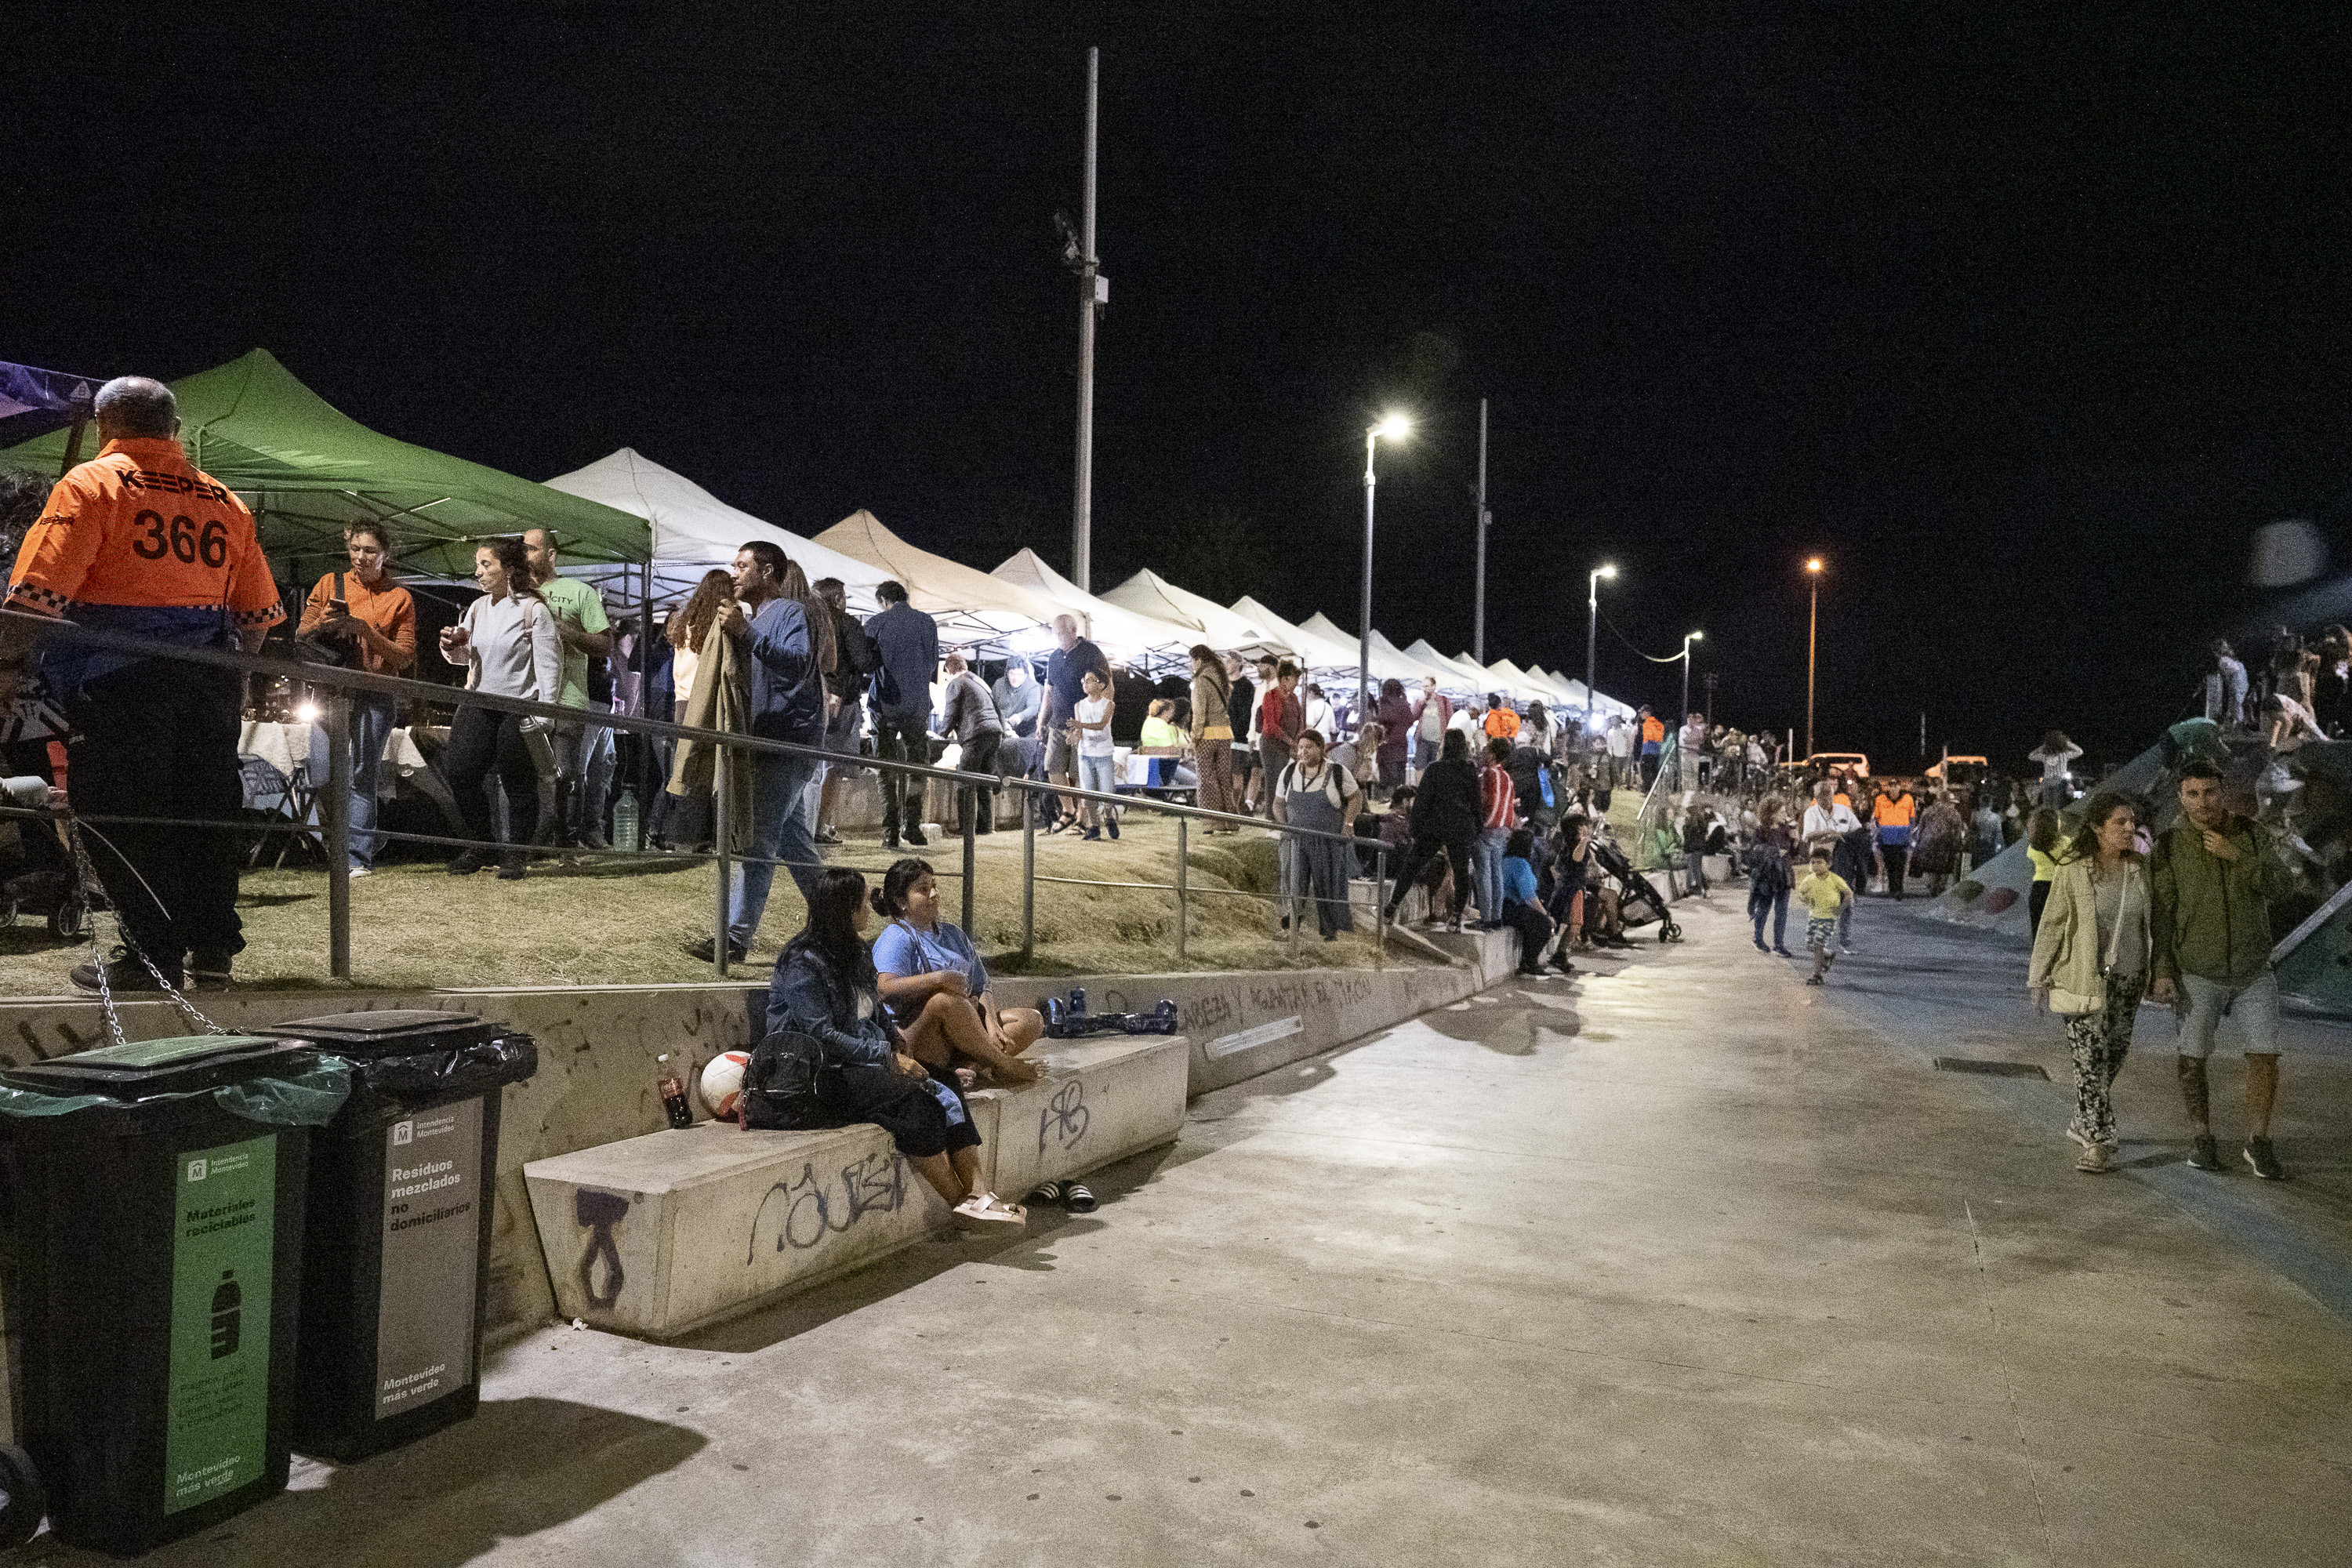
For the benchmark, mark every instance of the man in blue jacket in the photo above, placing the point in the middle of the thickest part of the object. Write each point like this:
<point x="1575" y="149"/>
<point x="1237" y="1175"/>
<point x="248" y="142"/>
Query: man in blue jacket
<point x="790" y="650"/>
<point x="907" y="642"/>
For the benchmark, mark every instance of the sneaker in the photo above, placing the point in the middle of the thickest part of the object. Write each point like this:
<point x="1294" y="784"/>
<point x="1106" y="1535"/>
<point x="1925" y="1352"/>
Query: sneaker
<point x="1091" y="835"/>
<point x="1760" y="947"/>
<point x="1113" y="826"/>
<point x="1812" y="980"/>
<point x="707" y="951"/>
<point x="511" y="869"/>
<point x="361" y="870"/>
<point x="208" y="971"/>
<point x="915" y="837"/>
<point x="2097" y="1158"/>
<point x="2204" y="1154"/>
<point x="1845" y="948"/>
<point x="467" y="864"/>
<point x="125" y="973"/>
<point x="890" y="839"/>
<point x="1784" y="953"/>
<point x="2265" y="1163"/>
<point x="828" y="835"/>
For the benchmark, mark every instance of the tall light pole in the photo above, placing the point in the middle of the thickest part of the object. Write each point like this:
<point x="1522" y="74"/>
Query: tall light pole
<point x="1478" y="611"/>
<point x="1813" y="642"/>
<point x="1396" y="428"/>
<point x="1591" y="635"/>
<point x="1693" y="636"/>
<point x="1091" y="289"/>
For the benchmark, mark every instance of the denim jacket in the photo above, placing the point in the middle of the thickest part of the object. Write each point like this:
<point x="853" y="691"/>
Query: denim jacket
<point x="801" y="996"/>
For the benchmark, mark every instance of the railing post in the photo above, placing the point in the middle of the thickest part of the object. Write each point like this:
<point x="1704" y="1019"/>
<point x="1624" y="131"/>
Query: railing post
<point x="337" y="808"/>
<point x="970" y="826"/>
<point x="1183" y="861"/>
<point x="1028" y="875"/>
<point x="721" y="811"/>
<point x="1380" y="907"/>
<point x="1292" y="879"/>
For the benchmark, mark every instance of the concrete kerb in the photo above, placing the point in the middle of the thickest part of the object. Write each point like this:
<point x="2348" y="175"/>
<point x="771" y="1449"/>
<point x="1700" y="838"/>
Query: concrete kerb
<point x="599" y="1045"/>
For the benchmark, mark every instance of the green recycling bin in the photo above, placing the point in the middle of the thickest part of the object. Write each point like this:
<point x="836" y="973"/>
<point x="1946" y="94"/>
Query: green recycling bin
<point x="154" y="1195"/>
<point x="396" y="1269"/>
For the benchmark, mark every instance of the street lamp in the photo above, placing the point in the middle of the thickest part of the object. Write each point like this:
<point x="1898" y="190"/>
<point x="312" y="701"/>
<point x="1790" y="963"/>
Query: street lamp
<point x="1396" y="428"/>
<point x="1812" y="637"/>
<point x="1693" y="636"/>
<point x="1591" y="631"/>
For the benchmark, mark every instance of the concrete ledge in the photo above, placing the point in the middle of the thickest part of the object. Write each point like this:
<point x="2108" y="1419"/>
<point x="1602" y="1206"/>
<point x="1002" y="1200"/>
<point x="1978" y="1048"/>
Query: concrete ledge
<point x="1100" y="1100"/>
<point x="659" y="1235"/>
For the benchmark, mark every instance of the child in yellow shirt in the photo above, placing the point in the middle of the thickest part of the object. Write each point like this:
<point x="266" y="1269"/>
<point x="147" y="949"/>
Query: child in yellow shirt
<point x="1823" y="893"/>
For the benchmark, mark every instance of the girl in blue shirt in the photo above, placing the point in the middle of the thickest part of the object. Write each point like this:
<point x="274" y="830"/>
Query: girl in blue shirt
<point x="936" y="987"/>
<point x="1520" y="906"/>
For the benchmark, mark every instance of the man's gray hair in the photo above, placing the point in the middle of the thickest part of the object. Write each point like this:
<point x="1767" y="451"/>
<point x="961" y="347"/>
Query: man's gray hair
<point x="136" y="405"/>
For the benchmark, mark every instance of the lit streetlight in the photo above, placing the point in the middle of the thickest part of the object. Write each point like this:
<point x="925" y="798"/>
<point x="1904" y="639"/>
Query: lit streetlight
<point x="1812" y="642"/>
<point x="1396" y="428"/>
<point x="1693" y="636"/>
<point x="1592" y="632"/>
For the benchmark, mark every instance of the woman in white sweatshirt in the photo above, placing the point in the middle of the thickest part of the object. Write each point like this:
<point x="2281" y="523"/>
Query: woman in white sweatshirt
<point x="507" y="642"/>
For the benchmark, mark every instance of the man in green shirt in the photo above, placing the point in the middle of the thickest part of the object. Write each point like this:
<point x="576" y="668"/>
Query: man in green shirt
<point x="581" y="621"/>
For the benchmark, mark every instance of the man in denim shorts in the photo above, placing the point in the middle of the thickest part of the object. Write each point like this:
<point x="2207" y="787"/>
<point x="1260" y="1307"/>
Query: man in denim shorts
<point x="2212" y="878"/>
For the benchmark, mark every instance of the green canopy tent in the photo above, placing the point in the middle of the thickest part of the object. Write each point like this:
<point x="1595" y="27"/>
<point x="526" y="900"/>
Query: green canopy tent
<point x="307" y="469"/>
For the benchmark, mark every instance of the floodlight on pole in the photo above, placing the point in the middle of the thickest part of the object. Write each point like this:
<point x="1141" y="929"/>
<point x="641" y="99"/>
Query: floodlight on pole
<point x="1692" y="637"/>
<point x="1592" y="634"/>
<point x="1813" y="642"/>
<point x="1392" y="427"/>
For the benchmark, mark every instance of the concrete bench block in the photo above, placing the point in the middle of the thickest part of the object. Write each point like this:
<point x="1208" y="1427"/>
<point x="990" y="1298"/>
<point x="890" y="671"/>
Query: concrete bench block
<point x="1100" y="1100"/>
<point x="658" y="1234"/>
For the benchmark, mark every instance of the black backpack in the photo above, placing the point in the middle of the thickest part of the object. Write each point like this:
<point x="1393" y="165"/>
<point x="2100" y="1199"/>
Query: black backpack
<point x="791" y="1085"/>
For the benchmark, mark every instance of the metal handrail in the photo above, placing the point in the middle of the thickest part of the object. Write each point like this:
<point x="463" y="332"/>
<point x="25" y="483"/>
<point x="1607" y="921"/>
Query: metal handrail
<point x="335" y="792"/>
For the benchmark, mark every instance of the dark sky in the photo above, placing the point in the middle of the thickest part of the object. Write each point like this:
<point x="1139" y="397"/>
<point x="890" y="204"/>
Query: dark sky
<point x="2024" y="321"/>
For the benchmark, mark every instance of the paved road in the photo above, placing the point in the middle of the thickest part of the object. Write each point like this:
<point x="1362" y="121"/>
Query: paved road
<point x="1685" y="1263"/>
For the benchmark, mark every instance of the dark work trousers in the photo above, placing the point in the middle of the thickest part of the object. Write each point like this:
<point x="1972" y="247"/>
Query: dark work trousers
<point x="1425" y="849"/>
<point x="1535" y="929"/>
<point x="481" y="741"/>
<point x="158" y="739"/>
<point x="1899" y="859"/>
<point x="901" y="738"/>
<point x="979" y="757"/>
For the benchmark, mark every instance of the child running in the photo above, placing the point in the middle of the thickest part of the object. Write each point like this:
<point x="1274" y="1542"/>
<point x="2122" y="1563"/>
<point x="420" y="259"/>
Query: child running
<point x="1823" y="893"/>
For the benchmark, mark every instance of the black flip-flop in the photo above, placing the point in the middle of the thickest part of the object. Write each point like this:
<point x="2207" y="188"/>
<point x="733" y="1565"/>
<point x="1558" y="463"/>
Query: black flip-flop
<point x="1077" y="1200"/>
<point x="1051" y="1192"/>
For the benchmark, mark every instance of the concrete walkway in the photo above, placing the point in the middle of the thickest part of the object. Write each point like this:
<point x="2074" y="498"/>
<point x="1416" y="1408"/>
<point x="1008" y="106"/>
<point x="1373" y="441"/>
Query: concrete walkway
<point x="1685" y="1263"/>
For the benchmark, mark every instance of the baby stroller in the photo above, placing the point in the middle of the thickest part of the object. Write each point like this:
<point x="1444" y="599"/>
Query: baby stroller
<point x="37" y="875"/>
<point x="1640" y="903"/>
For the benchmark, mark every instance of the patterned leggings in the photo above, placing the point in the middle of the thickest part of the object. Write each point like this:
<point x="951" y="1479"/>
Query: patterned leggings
<point x="2099" y="1042"/>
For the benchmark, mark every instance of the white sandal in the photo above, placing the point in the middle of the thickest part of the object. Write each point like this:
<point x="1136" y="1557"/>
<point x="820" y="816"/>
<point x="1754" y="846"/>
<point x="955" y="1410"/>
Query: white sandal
<point x="987" y="1208"/>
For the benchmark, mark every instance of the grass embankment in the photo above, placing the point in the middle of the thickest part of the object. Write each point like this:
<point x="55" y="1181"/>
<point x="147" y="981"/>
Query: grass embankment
<point x="616" y="922"/>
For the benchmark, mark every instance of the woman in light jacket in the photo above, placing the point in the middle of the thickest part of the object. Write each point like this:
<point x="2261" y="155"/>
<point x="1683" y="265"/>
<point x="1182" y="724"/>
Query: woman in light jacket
<point x="508" y="646"/>
<point x="2090" y="962"/>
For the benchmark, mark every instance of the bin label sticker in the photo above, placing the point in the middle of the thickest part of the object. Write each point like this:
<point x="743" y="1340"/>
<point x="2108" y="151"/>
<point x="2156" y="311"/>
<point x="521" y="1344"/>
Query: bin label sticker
<point x="217" y="1416"/>
<point x="432" y="1239"/>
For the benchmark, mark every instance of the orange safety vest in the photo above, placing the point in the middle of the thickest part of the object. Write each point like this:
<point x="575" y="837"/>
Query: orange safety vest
<point x="1654" y="731"/>
<point x="139" y="526"/>
<point x="1893" y="810"/>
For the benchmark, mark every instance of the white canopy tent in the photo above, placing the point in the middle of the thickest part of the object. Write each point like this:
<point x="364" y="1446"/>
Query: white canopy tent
<point x="1149" y="594"/>
<point x="694" y="532"/>
<point x="1465" y="677"/>
<point x="1119" y="632"/>
<point x="974" y="609"/>
<point x="1385" y="660"/>
<point x="1317" y="653"/>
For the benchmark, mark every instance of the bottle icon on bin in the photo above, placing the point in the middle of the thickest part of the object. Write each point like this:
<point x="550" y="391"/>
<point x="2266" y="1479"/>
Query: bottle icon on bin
<point x="228" y="1315"/>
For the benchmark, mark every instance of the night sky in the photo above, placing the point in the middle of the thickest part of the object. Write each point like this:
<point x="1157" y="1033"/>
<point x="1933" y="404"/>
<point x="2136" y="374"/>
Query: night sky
<point x="2026" y="324"/>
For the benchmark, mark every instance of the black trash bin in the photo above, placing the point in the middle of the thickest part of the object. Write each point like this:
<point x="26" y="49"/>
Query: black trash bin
<point x="397" y="1267"/>
<point x="155" y="1230"/>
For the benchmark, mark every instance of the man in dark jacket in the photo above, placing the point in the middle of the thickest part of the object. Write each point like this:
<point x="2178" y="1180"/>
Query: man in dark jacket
<point x="907" y="655"/>
<point x="845" y="690"/>
<point x="2212" y="879"/>
<point x="788" y="656"/>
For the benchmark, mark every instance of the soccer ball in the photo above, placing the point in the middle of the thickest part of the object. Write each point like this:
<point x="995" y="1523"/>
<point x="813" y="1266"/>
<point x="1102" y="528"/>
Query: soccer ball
<point x="722" y="1083"/>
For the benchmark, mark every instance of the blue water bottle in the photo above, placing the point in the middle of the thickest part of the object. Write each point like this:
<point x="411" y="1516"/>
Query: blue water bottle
<point x="1057" y="1022"/>
<point x="1078" y="1001"/>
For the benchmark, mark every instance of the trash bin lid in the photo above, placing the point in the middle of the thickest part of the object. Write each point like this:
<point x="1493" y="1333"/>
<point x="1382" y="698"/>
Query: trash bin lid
<point x="400" y="1031"/>
<point x="178" y="1066"/>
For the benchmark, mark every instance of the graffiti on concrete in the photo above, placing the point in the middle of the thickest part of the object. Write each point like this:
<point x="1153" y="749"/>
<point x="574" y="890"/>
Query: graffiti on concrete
<point x="1065" y="1118"/>
<point x="600" y="1212"/>
<point x="811" y="1210"/>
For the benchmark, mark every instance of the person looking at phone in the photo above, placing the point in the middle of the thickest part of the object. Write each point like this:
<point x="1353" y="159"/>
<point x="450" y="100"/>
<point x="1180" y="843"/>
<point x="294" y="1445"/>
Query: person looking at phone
<point x="508" y="646"/>
<point x="361" y="609"/>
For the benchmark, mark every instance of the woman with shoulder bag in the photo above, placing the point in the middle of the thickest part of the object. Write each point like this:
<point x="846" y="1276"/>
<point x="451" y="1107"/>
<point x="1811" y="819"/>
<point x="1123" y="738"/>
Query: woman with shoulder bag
<point x="1213" y="735"/>
<point x="2090" y="964"/>
<point x="508" y="642"/>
